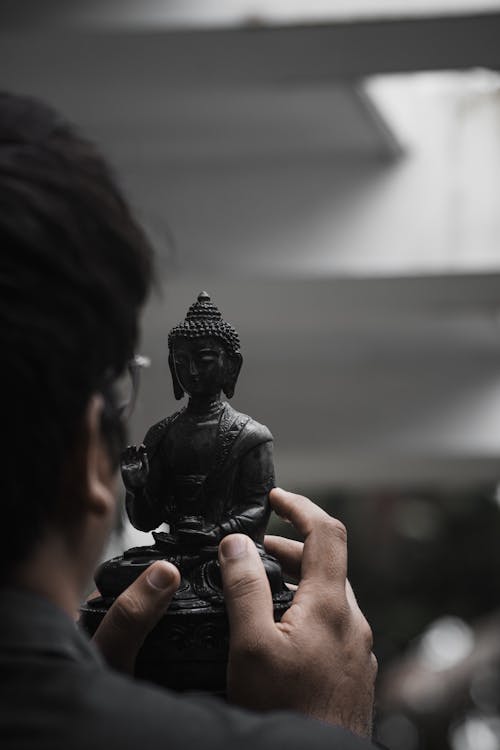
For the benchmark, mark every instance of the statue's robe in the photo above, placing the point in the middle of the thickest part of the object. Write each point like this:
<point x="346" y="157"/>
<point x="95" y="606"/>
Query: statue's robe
<point x="221" y="469"/>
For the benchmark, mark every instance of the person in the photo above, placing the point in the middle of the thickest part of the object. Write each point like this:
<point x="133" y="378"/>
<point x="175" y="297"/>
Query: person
<point x="75" y="269"/>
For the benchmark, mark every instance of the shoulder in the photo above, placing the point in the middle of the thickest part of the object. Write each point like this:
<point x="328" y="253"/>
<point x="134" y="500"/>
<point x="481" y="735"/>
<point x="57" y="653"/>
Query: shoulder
<point x="110" y="710"/>
<point x="249" y="427"/>
<point x="120" y="712"/>
<point x="67" y="705"/>
<point x="156" y="432"/>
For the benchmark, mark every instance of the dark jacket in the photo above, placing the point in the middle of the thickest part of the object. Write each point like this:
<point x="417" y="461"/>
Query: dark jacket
<point x="56" y="694"/>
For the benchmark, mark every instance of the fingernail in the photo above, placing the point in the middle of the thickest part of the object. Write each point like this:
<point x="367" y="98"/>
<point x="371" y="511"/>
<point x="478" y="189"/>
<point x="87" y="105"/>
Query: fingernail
<point x="160" y="577"/>
<point x="234" y="546"/>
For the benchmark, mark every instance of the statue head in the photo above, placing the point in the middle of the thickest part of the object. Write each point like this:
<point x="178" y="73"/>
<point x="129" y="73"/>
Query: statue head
<point x="204" y="352"/>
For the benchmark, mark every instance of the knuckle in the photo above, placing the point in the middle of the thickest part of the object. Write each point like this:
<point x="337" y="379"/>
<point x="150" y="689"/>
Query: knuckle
<point x="246" y="585"/>
<point x="337" y="529"/>
<point x="128" y="611"/>
<point x="367" y="635"/>
<point x="301" y="499"/>
<point x="341" y="617"/>
<point x="335" y="612"/>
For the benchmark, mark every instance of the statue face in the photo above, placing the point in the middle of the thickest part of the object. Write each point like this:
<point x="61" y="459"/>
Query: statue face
<point x="201" y="365"/>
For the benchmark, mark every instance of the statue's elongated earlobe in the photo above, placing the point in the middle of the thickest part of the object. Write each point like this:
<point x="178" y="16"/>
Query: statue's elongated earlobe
<point x="235" y="363"/>
<point x="178" y="390"/>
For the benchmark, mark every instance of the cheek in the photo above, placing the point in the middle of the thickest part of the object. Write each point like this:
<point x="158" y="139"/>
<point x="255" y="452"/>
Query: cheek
<point x="182" y="373"/>
<point x="211" y="369"/>
<point x="215" y="374"/>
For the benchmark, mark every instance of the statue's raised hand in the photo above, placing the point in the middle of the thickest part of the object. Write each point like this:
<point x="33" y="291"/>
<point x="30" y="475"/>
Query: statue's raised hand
<point x="134" y="466"/>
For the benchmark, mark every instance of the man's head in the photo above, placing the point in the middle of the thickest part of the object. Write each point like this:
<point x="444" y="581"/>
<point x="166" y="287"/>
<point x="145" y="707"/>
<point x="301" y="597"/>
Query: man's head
<point x="75" y="269"/>
<point x="204" y="352"/>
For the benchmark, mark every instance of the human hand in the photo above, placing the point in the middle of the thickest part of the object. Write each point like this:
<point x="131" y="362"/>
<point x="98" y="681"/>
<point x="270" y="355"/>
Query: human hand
<point x="318" y="659"/>
<point x="135" y="613"/>
<point x="134" y="467"/>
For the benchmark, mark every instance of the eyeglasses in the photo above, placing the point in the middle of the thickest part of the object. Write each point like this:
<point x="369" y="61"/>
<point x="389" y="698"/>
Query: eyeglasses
<point x="126" y="387"/>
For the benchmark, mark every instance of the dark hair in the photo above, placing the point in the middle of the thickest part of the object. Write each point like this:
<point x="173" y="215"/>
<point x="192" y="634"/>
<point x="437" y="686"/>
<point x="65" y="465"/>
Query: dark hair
<point x="75" y="269"/>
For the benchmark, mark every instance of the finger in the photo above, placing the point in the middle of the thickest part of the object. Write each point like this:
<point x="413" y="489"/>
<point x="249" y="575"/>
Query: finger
<point x="299" y="510"/>
<point x="247" y="593"/>
<point x="135" y="613"/>
<point x="288" y="552"/>
<point x="324" y="557"/>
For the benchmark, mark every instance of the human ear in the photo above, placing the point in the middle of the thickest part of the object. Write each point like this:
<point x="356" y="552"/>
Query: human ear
<point x="96" y="470"/>
<point x="178" y="390"/>
<point x="235" y="362"/>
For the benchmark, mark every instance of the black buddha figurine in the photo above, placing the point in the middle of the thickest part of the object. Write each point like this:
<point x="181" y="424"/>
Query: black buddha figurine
<point x="205" y="471"/>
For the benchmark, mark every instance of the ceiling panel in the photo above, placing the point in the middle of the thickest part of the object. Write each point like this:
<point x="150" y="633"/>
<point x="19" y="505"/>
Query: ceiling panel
<point x="229" y="13"/>
<point x="279" y="196"/>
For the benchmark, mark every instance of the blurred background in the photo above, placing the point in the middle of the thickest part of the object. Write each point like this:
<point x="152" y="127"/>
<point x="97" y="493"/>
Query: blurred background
<point x="330" y="173"/>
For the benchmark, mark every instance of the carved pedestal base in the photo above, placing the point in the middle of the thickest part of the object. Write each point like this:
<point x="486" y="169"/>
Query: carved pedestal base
<point x="188" y="648"/>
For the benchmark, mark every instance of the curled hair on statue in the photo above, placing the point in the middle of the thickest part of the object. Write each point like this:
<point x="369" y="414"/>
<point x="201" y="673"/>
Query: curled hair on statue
<point x="204" y="320"/>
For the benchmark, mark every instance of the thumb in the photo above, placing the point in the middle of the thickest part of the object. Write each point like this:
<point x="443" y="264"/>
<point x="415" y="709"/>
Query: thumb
<point x="135" y="613"/>
<point x="247" y="593"/>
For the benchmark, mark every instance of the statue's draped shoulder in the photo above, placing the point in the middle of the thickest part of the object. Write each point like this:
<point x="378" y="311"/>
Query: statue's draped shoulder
<point x="238" y="434"/>
<point x="157" y="432"/>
